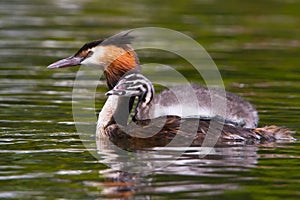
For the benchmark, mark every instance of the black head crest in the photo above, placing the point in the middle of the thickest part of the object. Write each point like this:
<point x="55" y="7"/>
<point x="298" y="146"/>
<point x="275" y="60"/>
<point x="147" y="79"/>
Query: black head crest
<point x="119" y="40"/>
<point x="88" y="46"/>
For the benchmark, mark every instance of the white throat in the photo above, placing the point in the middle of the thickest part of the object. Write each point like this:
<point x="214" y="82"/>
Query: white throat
<point x="106" y="114"/>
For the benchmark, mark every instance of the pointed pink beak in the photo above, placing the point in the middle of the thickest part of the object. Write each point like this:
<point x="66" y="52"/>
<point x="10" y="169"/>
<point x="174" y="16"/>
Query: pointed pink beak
<point x="66" y="62"/>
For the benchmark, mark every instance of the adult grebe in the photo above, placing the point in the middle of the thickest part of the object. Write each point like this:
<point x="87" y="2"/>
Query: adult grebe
<point x="239" y="123"/>
<point x="117" y="57"/>
<point x="114" y="55"/>
<point x="240" y="112"/>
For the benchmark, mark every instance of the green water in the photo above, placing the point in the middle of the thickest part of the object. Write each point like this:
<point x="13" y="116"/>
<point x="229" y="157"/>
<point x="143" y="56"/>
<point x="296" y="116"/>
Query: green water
<point x="255" y="44"/>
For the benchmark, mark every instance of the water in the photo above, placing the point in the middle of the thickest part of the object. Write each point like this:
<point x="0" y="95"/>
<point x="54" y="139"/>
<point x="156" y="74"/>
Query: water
<point x="255" y="44"/>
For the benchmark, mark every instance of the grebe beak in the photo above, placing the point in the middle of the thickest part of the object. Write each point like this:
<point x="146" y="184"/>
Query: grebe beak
<point x="66" y="62"/>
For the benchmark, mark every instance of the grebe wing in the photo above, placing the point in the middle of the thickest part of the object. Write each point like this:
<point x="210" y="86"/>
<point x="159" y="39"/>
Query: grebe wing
<point x="238" y="111"/>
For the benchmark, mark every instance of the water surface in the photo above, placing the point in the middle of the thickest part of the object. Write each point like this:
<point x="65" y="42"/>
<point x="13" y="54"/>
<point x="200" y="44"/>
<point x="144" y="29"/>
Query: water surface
<point x="256" y="46"/>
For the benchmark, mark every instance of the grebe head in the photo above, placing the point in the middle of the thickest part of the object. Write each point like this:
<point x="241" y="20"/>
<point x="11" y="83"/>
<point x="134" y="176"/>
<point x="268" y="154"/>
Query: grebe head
<point x="134" y="84"/>
<point x="114" y="55"/>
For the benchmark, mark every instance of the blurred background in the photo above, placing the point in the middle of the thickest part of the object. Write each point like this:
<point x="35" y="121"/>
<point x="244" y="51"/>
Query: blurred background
<point x="255" y="44"/>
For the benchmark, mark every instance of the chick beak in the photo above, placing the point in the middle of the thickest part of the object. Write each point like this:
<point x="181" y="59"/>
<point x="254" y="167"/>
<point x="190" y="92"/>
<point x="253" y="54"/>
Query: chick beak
<point x="66" y="62"/>
<point x="109" y="93"/>
<point x="115" y="92"/>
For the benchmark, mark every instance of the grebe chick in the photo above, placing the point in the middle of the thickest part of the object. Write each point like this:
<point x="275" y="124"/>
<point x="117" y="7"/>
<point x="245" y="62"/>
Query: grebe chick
<point x="149" y="106"/>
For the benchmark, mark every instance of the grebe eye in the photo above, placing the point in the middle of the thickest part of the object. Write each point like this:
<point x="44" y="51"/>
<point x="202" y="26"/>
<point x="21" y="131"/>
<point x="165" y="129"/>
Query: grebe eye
<point x="89" y="54"/>
<point x="121" y="87"/>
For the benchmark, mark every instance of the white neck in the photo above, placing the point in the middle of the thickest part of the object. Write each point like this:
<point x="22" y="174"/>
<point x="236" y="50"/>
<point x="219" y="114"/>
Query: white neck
<point x="115" y="110"/>
<point x="106" y="114"/>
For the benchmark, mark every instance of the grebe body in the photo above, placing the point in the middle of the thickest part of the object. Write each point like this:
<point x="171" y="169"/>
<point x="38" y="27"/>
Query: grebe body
<point x="239" y="113"/>
<point x="116" y="57"/>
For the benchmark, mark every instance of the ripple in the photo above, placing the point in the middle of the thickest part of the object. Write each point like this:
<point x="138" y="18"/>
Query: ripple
<point x="69" y="150"/>
<point x="18" y="194"/>
<point x="26" y="121"/>
<point x="25" y="176"/>
<point x="73" y="172"/>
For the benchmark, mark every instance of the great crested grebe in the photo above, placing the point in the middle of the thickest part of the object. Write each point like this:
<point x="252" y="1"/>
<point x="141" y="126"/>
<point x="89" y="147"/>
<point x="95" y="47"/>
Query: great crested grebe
<point x="149" y="106"/>
<point x="116" y="57"/>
